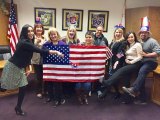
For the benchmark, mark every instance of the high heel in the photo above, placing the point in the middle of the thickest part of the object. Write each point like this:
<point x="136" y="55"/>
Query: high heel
<point x="19" y="111"/>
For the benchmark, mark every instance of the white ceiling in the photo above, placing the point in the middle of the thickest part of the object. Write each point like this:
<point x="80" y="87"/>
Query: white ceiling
<point x="141" y="3"/>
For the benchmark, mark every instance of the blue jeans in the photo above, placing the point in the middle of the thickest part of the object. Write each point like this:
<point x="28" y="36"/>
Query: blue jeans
<point x="146" y="67"/>
<point x="83" y="85"/>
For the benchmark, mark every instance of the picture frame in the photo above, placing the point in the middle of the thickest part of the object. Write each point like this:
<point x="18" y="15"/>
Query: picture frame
<point x="96" y="18"/>
<point x="72" y="17"/>
<point x="47" y="16"/>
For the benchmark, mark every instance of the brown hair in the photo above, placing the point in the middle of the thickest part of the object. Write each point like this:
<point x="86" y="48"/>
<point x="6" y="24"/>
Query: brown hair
<point x="36" y="25"/>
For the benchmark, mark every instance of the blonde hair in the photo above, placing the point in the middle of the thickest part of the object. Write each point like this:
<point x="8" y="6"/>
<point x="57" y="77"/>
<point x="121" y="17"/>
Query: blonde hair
<point x="114" y="37"/>
<point x="75" y="36"/>
<point x="52" y="29"/>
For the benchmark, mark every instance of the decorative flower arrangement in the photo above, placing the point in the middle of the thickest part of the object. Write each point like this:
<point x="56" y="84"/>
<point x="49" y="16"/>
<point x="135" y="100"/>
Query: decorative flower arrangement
<point x="3" y="7"/>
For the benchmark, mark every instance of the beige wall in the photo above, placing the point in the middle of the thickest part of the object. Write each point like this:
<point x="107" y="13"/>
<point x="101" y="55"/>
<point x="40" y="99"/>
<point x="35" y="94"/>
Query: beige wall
<point x="25" y="12"/>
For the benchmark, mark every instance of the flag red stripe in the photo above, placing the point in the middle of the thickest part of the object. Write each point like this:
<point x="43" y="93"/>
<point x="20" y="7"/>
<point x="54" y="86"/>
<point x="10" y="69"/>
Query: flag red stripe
<point x="87" y="52"/>
<point x="87" y="47"/>
<point x="71" y="69"/>
<point x="12" y="34"/>
<point x="70" y="80"/>
<point x="87" y="58"/>
<point x="77" y="75"/>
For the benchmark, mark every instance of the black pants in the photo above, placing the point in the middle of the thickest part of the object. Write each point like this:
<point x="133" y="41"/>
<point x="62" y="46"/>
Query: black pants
<point x="125" y="73"/>
<point x="55" y="90"/>
<point x="39" y="76"/>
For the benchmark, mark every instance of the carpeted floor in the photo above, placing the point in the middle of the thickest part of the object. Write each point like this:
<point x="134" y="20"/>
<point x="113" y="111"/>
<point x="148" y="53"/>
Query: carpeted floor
<point x="108" y="109"/>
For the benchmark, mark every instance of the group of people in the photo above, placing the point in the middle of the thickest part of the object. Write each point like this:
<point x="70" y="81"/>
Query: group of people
<point x="130" y="56"/>
<point x="140" y="58"/>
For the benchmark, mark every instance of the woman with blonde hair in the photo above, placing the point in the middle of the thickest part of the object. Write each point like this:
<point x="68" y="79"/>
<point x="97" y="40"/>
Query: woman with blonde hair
<point x="71" y="37"/>
<point x="116" y="61"/>
<point x="118" y="58"/>
<point x="57" y="97"/>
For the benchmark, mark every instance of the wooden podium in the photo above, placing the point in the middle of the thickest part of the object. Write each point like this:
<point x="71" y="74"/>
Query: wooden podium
<point x="8" y="92"/>
<point x="156" y="86"/>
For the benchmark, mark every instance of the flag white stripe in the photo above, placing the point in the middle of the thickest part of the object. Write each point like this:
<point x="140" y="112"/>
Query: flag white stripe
<point x="72" y="77"/>
<point x="72" y="72"/>
<point x="89" y="55"/>
<point x="88" y="61"/>
<point x="69" y="66"/>
<point x="87" y="50"/>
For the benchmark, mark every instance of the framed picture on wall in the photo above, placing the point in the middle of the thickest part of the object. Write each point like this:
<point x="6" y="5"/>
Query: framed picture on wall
<point x="72" y="17"/>
<point x="47" y="16"/>
<point x="96" y="18"/>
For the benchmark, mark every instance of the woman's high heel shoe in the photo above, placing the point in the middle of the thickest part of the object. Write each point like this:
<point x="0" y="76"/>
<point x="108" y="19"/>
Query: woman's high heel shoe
<point x="19" y="111"/>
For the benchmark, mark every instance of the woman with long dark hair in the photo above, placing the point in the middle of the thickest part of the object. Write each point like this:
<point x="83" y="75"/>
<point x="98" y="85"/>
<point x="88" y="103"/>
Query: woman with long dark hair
<point x="14" y="75"/>
<point x="132" y="63"/>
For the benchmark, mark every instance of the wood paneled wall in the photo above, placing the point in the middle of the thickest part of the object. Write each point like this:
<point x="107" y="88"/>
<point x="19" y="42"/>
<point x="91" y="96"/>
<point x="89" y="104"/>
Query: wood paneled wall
<point x="4" y="25"/>
<point x="3" y="28"/>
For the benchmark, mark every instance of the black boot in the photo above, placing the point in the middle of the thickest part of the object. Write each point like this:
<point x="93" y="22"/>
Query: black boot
<point x="117" y="95"/>
<point x="104" y="94"/>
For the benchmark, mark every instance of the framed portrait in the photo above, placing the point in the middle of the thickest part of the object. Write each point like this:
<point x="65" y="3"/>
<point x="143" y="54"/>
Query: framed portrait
<point x="72" y="17"/>
<point x="96" y="18"/>
<point x="47" y="16"/>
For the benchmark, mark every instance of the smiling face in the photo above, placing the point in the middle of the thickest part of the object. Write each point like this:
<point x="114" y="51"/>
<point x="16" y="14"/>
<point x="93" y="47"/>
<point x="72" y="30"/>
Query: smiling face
<point x="30" y="33"/>
<point x="99" y="31"/>
<point x="71" y="33"/>
<point x="131" y="38"/>
<point x="88" y="40"/>
<point x="38" y="30"/>
<point x="118" y="34"/>
<point x="53" y="36"/>
<point x="144" y="35"/>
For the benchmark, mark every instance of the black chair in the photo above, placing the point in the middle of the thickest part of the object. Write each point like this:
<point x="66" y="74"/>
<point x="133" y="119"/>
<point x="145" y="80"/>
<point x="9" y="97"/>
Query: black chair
<point x="5" y="51"/>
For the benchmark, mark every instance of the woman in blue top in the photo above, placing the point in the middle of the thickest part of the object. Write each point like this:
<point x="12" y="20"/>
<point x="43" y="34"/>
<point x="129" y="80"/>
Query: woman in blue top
<point x="57" y="97"/>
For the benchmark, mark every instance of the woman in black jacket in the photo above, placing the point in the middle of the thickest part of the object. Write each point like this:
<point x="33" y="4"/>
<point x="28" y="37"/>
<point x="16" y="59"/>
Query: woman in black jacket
<point x="14" y="75"/>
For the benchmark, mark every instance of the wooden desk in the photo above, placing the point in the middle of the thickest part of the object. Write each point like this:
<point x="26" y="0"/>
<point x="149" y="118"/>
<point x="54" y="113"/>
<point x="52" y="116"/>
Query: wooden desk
<point x="8" y="92"/>
<point x="2" y="63"/>
<point x="156" y="86"/>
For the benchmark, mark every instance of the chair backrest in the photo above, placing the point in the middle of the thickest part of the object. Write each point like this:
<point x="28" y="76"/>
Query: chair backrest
<point x="5" y="52"/>
<point x="5" y="49"/>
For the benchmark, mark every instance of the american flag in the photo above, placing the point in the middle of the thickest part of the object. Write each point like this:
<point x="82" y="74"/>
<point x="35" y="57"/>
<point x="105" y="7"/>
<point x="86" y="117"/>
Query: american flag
<point x="80" y="63"/>
<point x="119" y="55"/>
<point x="12" y="29"/>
